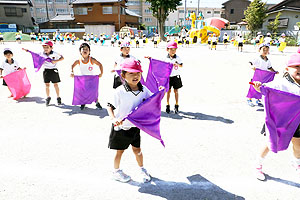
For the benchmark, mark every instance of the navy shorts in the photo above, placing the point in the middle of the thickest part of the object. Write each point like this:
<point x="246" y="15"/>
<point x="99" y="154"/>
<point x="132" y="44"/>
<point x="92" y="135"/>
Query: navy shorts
<point x="51" y="75"/>
<point x="240" y="44"/>
<point x="120" y="140"/>
<point x="296" y="134"/>
<point x="175" y="82"/>
<point x="4" y="83"/>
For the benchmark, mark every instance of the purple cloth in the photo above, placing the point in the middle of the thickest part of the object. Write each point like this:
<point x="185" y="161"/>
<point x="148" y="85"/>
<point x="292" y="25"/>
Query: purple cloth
<point x="38" y="60"/>
<point x="158" y="75"/>
<point x="85" y="89"/>
<point x="262" y="76"/>
<point x="282" y="117"/>
<point x="146" y="116"/>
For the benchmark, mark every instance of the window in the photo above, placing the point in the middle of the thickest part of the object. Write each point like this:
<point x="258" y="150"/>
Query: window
<point x="148" y="19"/>
<point x="61" y="1"/>
<point x="80" y="11"/>
<point x="13" y="12"/>
<point x="24" y="10"/>
<point x="181" y="11"/>
<point x="90" y="9"/>
<point x="61" y="10"/>
<point x="136" y="11"/>
<point x="208" y="12"/>
<point x="107" y="10"/>
<point x="231" y="11"/>
<point x="50" y="10"/>
<point x="41" y="10"/>
<point x="148" y="11"/>
<point x="133" y="3"/>
<point x="122" y="11"/>
<point x="217" y="12"/>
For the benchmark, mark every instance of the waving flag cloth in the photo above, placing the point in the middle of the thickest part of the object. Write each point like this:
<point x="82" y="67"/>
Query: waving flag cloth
<point x="38" y="60"/>
<point x="282" y="117"/>
<point x="18" y="83"/>
<point x="146" y="116"/>
<point x="264" y="77"/>
<point x="158" y="75"/>
<point x="85" y="89"/>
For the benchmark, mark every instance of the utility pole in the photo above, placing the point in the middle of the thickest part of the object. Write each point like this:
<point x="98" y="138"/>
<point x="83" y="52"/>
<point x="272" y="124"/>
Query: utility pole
<point x="198" y="8"/>
<point x="47" y="10"/>
<point x="184" y="23"/>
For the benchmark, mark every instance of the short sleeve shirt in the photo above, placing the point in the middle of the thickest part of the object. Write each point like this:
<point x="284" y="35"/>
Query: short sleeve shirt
<point x="9" y="68"/>
<point x="125" y="100"/>
<point x="54" y="56"/>
<point x="262" y="64"/>
<point x="285" y="84"/>
<point x="120" y="59"/>
<point x="175" y="59"/>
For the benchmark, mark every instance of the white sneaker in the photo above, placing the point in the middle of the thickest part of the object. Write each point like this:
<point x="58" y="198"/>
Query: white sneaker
<point x="259" y="174"/>
<point x="145" y="175"/>
<point x="121" y="176"/>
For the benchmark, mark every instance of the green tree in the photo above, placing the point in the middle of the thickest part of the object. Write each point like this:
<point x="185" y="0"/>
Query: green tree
<point x="161" y="10"/>
<point x="255" y="15"/>
<point x="298" y="24"/>
<point x="273" y="25"/>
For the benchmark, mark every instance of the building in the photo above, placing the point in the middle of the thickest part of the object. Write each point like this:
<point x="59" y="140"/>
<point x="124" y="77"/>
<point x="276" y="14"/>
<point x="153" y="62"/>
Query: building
<point x="17" y="12"/>
<point x="290" y="15"/>
<point x="234" y="10"/>
<point x="96" y="13"/>
<point x="44" y="10"/>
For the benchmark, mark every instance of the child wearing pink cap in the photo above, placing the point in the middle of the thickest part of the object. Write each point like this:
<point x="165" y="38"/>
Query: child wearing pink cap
<point x="289" y="83"/>
<point x="175" y="79"/>
<point x="123" y="132"/>
<point x="125" y="50"/>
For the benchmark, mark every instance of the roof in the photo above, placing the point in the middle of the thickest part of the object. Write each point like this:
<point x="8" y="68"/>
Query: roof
<point x="283" y="6"/>
<point x="24" y="2"/>
<point x="283" y="9"/>
<point x="233" y="0"/>
<point x="95" y="1"/>
<point x="62" y="17"/>
<point x="128" y="12"/>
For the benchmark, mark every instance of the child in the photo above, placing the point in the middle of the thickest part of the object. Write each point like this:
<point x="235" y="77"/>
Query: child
<point x="86" y="66"/>
<point x="240" y="41"/>
<point x="124" y="133"/>
<point x="32" y="37"/>
<point x="262" y="62"/>
<point x="1" y="39"/>
<point x="282" y="43"/>
<point x="175" y="79"/>
<point x="73" y="39"/>
<point x="155" y="40"/>
<point x="137" y="41"/>
<point x="209" y="41"/>
<point x="268" y="39"/>
<point x="112" y="40"/>
<point x="18" y="38"/>
<point x="84" y="37"/>
<point x="125" y="50"/>
<point x="9" y="65"/>
<point x="225" y="40"/>
<point x="214" y="41"/>
<point x="289" y="83"/>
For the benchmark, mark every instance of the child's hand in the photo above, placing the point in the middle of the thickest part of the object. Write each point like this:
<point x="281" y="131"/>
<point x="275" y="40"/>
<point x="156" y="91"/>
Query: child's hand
<point x="277" y="72"/>
<point x="117" y="122"/>
<point x="161" y="88"/>
<point x="54" y="61"/>
<point x="100" y="75"/>
<point x="112" y="71"/>
<point x="257" y="85"/>
<point x="25" y="49"/>
<point x="1" y="76"/>
<point x="147" y="57"/>
<point x="72" y="74"/>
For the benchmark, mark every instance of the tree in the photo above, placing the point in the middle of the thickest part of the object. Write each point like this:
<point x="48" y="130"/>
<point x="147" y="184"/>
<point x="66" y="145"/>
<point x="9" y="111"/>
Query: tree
<point x="255" y="15"/>
<point x="273" y="25"/>
<point x="161" y="10"/>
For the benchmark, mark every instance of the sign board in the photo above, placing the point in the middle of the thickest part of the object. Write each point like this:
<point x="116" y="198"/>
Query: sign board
<point x="12" y="25"/>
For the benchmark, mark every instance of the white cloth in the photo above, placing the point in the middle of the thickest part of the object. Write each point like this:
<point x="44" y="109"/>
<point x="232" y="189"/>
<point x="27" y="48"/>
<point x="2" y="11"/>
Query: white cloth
<point x="125" y="101"/>
<point x="262" y="64"/>
<point x="176" y="69"/>
<point x="54" y="56"/>
<point x="9" y="68"/>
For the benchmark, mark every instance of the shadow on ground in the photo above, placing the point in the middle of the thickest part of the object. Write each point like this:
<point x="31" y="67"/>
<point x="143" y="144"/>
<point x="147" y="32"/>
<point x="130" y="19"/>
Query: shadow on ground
<point x="196" y="116"/>
<point x="198" y="188"/>
<point x="73" y="110"/>
<point x="291" y="183"/>
<point x="37" y="100"/>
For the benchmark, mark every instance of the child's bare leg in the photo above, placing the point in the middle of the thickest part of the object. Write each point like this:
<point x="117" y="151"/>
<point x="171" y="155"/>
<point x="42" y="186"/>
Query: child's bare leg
<point x="264" y="152"/>
<point x="48" y="89"/>
<point x="296" y="147"/>
<point x="56" y="89"/>
<point x="176" y="96"/>
<point x="168" y="97"/>
<point x="138" y="155"/>
<point x="117" y="159"/>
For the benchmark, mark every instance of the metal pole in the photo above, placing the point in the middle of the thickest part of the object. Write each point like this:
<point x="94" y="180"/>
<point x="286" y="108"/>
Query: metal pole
<point x="184" y="23"/>
<point x="198" y="8"/>
<point x="47" y="9"/>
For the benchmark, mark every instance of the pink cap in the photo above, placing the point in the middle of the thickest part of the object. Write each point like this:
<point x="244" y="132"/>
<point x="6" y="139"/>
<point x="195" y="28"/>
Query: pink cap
<point x="172" y="44"/>
<point x="49" y="43"/>
<point x="131" y="65"/>
<point x="294" y="59"/>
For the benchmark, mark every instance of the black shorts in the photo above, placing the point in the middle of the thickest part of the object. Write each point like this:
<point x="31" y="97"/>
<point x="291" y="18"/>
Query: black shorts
<point x="296" y="134"/>
<point x="112" y="42"/>
<point x="120" y="140"/>
<point x="18" y="39"/>
<point x="32" y="38"/>
<point x="256" y="41"/>
<point x="225" y="41"/>
<point x="117" y="82"/>
<point x="137" y="42"/>
<point x="1" y="39"/>
<point x="179" y="42"/>
<point x="144" y="41"/>
<point x="84" y="40"/>
<point x="208" y="42"/>
<point x="187" y="42"/>
<point x="155" y="42"/>
<point x="51" y="75"/>
<point x="119" y="42"/>
<point x="214" y="43"/>
<point x="95" y="41"/>
<point x="175" y="82"/>
<point x="4" y="83"/>
<point x="101" y="41"/>
<point x="240" y="44"/>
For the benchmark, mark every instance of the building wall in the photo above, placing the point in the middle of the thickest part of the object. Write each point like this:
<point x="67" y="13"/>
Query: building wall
<point x="142" y="8"/>
<point x="234" y="10"/>
<point x="293" y="18"/>
<point x="22" y="17"/>
<point x="39" y="11"/>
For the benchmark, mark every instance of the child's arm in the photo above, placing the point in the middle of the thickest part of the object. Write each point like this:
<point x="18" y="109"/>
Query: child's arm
<point x="116" y="122"/>
<point x="56" y="61"/>
<point x="256" y="85"/>
<point x="177" y="64"/>
<point x="25" y="49"/>
<point x="72" y="67"/>
<point x="273" y="70"/>
<point x="100" y="66"/>
<point x="1" y="73"/>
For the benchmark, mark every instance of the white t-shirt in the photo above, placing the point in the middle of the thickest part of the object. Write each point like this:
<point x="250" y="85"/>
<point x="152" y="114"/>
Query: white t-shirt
<point x="86" y="68"/>
<point x="267" y="40"/>
<point x="175" y="59"/>
<point x="125" y="100"/>
<point x="262" y="64"/>
<point x="1" y="36"/>
<point x="54" y="56"/>
<point x="285" y="84"/>
<point x="9" y="68"/>
<point x="281" y="40"/>
<point x="214" y="39"/>
<point x="240" y="39"/>
<point x="120" y="59"/>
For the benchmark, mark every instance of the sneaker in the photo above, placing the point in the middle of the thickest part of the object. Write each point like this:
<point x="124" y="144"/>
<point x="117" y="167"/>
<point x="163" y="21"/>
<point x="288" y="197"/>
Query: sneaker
<point x="82" y="107"/>
<point x="145" y="175"/>
<point x="250" y="103"/>
<point x="168" y="109"/>
<point x="48" y="101"/>
<point x="258" y="103"/>
<point x="121" y="176"/>
<point x="176" y="109"/>
<point x="58" y="100"/>
<point x="98" y="106"/>
<point x="259" y="174"/>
